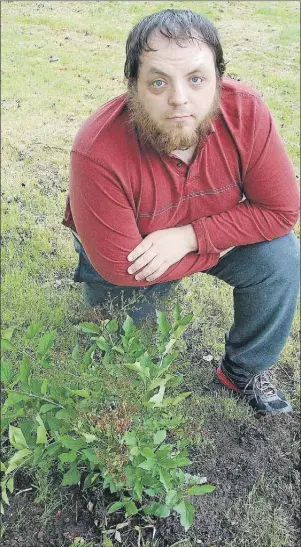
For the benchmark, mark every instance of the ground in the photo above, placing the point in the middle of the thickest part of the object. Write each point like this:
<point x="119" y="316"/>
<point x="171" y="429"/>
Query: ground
<point x="60" y="61"/>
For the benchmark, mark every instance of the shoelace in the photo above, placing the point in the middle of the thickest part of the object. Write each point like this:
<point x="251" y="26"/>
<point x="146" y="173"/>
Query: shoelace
<point x="262" y="384"/>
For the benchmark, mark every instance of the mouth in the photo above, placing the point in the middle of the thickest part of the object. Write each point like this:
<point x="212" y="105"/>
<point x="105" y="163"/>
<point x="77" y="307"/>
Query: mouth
<point x="179" y="117"/>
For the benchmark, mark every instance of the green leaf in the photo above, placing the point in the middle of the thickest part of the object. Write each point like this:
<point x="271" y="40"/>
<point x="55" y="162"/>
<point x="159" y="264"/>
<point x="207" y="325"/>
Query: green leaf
<point x="71" y="477"/>
<point x="48" y="406"/>
<point x="200" y="490"/>
<point x="63" y="414"/>
<point x="75" y="353"/>
<point x="7" y="334"/>
<point x="169" y="345"/>
<point x="89" y="480"/>
<point x="178" y="461"/>
<point x="177" y="312"/>
<point x="37" y="453"/>
<point x="118" y="349"/>
<point x="158" y="398"/>
<point x="147" y="452"/>
<point x="163" y="323"/>
<point x="10" y="484"/>
<point x="45" y="343"/>
<point x="157" y="509"/>
<point x="44" y="386"/>
<point x="138" y="488"/>
<point x="53" y="448"/>
<point x="7" y="345"/>
<point x="164" y="478"/>
<point x="16" y="438"/>
<point x="46" y="363"/>
<point x="147" y="464"/>
<point x="130" y="438"/>
<point x="14" y="398"/>
<point x="166" y="362"/>
<point x="89" y="328"/>
<point x="41" y="431"/>
<point x="72" y="444"/>
<point x="17" y="459"/>
<point x="128" y="326"/>
<point x="112" y="326"/>
<point x="186" y="512"/>
<point x="130" y="508"/>
<point x="171" y="497"/>
<point x="7" y="372"/>
<point x="102" y="343"/>
<point x="24" y="369"/>
<point x="55" y="425"/>
<point x="181" y="397"/>
<point x="159" y="436"/>
<point x="35" y="385"/>
<point x="68" y="457"/>
<point x="89" y="437"/>
<point x="4" y="496"/>
<point x="87" y="359"/>
<point x="91" y="456"/>
<point x="32" y="330"/>
<point x="115" y="506"/>
<point x="137" y="367"/>
<point x="158" y="382"/>
<point x="185" y="320"/>
<point x="81" y="393"/>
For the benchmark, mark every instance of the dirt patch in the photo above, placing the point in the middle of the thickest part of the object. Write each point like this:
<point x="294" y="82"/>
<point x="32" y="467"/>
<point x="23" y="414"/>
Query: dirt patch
<point x="254" y="466"/>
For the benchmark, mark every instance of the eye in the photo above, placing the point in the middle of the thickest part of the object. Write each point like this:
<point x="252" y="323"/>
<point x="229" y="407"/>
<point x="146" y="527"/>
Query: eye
<point x="159" y="82"/>
<point x="195" y="79"/>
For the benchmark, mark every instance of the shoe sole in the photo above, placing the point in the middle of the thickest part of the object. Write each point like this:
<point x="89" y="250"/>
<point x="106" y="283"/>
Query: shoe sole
<point x="224" y="380"/>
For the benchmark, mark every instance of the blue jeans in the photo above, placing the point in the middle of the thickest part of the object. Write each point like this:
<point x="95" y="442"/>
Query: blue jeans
<point x="265" y="278"/>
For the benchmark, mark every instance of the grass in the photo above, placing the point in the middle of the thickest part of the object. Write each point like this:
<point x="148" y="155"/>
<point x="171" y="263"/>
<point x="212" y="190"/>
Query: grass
<point x="43" y="104"/>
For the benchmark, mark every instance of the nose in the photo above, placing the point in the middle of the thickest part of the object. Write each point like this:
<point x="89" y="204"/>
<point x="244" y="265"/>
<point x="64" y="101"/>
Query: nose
<point x="177" y="96"/>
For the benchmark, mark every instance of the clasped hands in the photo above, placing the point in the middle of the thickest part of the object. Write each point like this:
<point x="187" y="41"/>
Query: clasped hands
<point x="160" y="250"/>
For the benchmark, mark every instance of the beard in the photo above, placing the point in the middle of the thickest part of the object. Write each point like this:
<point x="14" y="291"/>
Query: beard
<point x="179" y="137"/>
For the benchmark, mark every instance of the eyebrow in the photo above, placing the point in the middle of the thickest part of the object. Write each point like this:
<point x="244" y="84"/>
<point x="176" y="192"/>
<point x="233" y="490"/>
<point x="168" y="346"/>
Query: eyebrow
<point x="154" y="70"/>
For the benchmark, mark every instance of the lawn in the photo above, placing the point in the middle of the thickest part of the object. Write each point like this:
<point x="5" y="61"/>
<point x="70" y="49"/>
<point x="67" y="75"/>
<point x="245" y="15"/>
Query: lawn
<point x="60" y="62"/>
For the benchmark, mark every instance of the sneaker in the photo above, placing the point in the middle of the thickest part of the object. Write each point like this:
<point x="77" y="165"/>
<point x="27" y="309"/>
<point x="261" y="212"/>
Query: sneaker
<point x="262" y="396"/>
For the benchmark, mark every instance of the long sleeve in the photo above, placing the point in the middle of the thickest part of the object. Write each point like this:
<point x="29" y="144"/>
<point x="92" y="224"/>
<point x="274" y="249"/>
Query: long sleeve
<point x="271" y="207"/>
<point x="105" y="222"/>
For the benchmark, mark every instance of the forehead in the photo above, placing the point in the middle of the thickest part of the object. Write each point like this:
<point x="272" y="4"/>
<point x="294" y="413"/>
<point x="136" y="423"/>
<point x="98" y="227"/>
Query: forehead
<point x="168" y="53"/>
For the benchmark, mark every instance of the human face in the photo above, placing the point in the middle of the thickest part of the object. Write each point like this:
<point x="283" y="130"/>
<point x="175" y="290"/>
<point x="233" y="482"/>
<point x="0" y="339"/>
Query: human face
<point x="177" y="94"/>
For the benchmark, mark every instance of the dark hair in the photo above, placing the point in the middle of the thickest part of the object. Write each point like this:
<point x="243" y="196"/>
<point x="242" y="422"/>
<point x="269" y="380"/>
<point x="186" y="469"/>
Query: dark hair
<point x="178" y="25"/>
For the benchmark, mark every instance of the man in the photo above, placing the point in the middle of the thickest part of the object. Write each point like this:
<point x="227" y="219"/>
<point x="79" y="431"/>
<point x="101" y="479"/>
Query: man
<point x="186" y="173"/>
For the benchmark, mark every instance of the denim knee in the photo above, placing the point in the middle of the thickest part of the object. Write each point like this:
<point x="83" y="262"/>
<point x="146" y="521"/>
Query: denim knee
<point x="282" y="257"/>
<point x="277" y="260"/>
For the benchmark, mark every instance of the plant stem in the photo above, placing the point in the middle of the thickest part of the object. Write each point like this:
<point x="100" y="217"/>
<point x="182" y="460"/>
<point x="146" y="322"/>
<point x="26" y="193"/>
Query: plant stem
<point x="35" y="396"/>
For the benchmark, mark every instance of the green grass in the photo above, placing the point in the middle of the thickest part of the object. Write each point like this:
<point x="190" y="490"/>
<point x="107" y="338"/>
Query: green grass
<point x="43" y="105"/>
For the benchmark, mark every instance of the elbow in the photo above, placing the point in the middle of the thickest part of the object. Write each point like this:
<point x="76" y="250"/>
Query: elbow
<point x="121" y="278"/>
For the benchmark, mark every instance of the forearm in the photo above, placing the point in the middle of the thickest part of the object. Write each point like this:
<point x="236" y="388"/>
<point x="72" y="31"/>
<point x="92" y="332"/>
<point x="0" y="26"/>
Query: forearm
<point x="245" y="224"/>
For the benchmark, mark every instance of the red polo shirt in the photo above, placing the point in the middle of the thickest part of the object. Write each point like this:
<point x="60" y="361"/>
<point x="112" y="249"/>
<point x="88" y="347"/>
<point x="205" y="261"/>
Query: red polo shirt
<point x="240" y="188"/>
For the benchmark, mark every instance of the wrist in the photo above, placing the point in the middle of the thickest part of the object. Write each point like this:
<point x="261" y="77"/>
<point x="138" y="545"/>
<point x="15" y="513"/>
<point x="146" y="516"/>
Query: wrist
<point x="190" y="238"/>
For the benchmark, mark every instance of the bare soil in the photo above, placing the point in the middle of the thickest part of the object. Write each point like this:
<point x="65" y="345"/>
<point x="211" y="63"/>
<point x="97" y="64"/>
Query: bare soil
<point x="255" y="467"/>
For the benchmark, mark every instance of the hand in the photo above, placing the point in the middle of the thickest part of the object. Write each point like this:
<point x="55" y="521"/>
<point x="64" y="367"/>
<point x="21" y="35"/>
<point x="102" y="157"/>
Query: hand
<point x="160" y="250"/>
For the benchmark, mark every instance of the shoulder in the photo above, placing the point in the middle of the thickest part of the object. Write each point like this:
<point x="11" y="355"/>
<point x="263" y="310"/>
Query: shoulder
<point x="96" y="138"/>
<point x="241" y="106"/>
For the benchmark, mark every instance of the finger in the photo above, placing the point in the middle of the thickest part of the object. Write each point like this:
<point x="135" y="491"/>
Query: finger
<point x="145" y="259"/>
<point x="142" y="248"/>
<point x="151" y="268"/>
<point x="159" y="272"/>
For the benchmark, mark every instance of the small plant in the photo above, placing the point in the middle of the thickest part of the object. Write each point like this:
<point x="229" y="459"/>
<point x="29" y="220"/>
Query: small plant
<point x="117" y="425"/>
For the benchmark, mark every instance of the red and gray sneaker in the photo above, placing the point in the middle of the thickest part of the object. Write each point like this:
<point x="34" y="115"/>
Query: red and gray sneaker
<point x="263" y="397"/>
